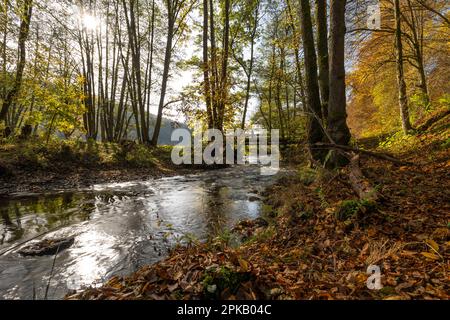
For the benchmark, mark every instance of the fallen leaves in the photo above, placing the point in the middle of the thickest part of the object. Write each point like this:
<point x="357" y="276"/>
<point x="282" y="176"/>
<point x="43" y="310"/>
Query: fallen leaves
<point x="311" y="255"/>
<point x="432" y="244"/>
<point x="430" y="255"/>
<point x="243" y="264"/>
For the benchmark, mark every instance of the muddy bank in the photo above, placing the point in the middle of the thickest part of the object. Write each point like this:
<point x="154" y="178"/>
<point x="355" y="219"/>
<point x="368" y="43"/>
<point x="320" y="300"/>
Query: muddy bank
<point x="43" y="181"/>
<point x="36" y="167"/>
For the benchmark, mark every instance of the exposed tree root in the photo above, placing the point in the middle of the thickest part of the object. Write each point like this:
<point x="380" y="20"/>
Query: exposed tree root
<point x="377" y="155"/>
<point x="359" y="183"/>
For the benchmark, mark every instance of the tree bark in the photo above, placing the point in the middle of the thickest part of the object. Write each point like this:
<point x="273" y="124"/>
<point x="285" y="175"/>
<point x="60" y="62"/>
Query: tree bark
<point x="177" y="12"/>
<point x="213" y="65"/>
<point x="224" y="72"/>
<point x="280" y="109"/>
<point x="337" y="115"/>
<point x="26" y="13"/>
<point x="250" y="68"/>
<point x="206" y="81"/>
<point x="417" y="44"/>
<point x="298" y="66"/>
<point x="402" y="99"/>
<point x="165" y="76"/>
<point x="4" y="47"/>
<point x="136" y="79"/>
<point x="150" y="62"/>
<point x="322" y="52"/>
<point x="315" y="132"/>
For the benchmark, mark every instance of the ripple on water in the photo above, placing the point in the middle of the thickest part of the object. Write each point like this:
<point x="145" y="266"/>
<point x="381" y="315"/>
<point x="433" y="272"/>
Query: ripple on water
<point x="119" y="226"/>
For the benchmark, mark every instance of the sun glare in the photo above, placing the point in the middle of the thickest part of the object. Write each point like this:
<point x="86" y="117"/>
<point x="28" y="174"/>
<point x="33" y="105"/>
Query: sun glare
<point x="90" y="22"/>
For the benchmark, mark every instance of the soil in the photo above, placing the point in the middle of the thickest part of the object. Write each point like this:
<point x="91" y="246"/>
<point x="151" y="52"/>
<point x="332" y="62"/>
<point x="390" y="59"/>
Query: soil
<point x="43" y="181"/>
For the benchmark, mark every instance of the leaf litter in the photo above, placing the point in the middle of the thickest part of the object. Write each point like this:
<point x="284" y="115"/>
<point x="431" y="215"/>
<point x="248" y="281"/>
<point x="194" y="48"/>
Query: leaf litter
<point x="311" y="254"/>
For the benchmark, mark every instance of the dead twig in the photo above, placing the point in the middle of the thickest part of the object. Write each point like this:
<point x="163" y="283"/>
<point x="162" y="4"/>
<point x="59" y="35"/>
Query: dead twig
<point x="377" y="155"/>
<point x="51" y="274"/>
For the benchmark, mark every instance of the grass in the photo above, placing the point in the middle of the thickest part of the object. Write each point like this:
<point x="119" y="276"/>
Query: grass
<point x="264" y="235"/>
<point x="36" y="154"/>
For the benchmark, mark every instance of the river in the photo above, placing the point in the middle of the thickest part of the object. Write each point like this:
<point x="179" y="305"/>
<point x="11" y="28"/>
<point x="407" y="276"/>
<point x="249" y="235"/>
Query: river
<point x="119" y="227"/>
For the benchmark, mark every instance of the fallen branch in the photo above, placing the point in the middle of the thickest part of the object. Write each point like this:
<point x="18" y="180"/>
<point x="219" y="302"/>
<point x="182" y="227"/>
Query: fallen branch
<point x="377" y="155"/>
<point x="433" y="120"/>
<point x="359" y="183"/>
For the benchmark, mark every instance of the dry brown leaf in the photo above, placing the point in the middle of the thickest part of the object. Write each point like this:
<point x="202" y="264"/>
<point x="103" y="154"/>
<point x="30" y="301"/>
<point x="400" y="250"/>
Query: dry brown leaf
<point x="432" y="244"/>
<point x="430" y="255"/>
<point x="394" y="298"/>
<point x="244" y="264"/>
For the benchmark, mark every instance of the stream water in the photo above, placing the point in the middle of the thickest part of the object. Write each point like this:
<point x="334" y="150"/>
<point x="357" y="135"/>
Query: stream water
<point x="118" y="227"/>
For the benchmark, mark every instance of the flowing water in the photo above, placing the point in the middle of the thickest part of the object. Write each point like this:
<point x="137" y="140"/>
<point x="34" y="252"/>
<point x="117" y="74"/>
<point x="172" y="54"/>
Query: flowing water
<point x="118" y="227"/>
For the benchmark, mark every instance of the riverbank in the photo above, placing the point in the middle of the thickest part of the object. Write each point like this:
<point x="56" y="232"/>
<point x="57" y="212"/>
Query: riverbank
<point x="35" y="166"/>
<point x="118" y="227"/>
<point x="321" y="238"/>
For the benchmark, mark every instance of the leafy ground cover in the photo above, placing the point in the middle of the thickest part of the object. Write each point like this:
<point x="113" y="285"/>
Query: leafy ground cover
<point x="35" y="165"/>
<point x="321" y="238"/>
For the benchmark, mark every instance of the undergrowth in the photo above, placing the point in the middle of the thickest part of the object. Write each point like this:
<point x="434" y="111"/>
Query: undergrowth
<point x="63" y="154"/>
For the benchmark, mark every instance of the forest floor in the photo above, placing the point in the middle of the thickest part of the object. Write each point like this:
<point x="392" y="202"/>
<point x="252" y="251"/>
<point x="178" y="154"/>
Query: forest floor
<point x="34" y="166"/>
<point x="320" y="238"/>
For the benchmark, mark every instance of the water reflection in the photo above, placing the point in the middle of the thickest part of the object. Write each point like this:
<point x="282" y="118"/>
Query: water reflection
<point x="118" y="227"/>
<point x="23" y="218"/>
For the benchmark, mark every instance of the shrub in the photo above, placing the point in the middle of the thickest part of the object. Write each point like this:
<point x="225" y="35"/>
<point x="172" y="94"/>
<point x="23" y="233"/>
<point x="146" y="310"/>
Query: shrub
<point x="140" y="156"/>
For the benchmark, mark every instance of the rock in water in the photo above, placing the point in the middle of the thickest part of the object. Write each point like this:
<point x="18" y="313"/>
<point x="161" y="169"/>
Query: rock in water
<point x="47" y="247"/>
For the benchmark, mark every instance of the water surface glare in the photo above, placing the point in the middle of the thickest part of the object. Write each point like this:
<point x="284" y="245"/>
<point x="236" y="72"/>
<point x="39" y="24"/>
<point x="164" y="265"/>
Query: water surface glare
<point x="119" y="227"/>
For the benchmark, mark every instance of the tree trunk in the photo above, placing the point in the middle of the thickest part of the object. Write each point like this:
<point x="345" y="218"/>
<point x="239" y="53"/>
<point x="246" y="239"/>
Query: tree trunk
<point x="298" y="66"/>
<point x="322" y="52"/>
<point x="417" y="44"/>
<point x="4" y="49"/>
<point x="165" y="76"/>
<point x="402" y="99"/>
<point x="224" y="72"/>
<point x="315" y="132"/>
<point x="337" y="115"/>
<point x="150" y="62"/>
<point x="206" y="81"/>
<point x="272" y="73"/>
<point x="23" y="36"/>
<point x="280" y="109"/>
<point x="213" y="65"/>
<point x="136" y="80"/>
<point x="250" y="68"/>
